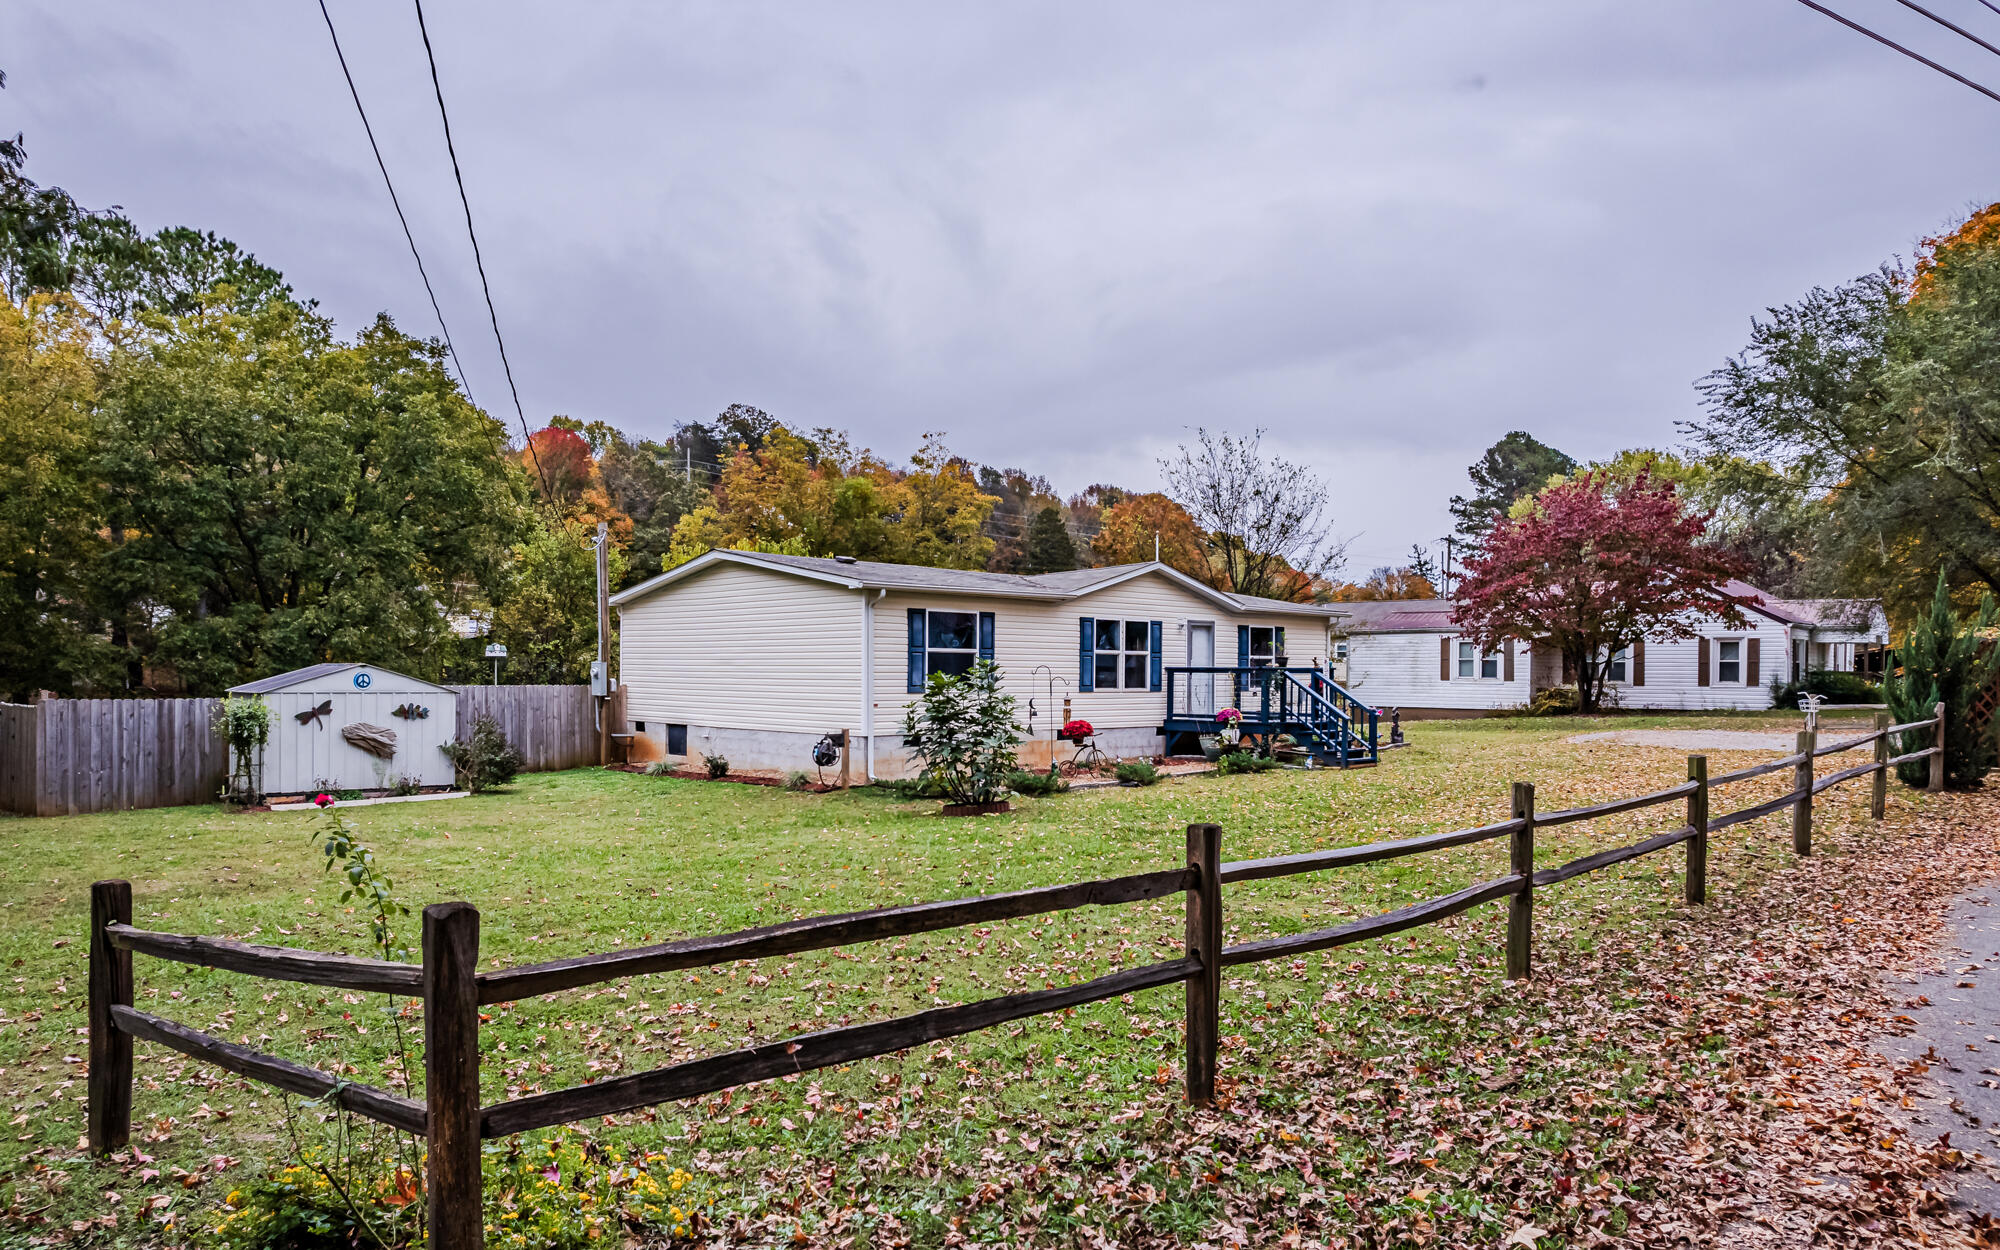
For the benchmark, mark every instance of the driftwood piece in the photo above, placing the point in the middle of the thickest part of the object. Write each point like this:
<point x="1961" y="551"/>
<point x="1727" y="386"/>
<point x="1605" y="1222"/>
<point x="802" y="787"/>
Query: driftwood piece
<point x="377" y="740"/>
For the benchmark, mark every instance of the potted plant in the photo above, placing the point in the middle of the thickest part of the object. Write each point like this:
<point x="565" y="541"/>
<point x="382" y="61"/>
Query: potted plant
<point x="1231" y="732"/>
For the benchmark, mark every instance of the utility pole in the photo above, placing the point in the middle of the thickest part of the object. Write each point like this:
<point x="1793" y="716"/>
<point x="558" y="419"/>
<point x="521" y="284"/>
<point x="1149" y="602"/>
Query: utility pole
<point x="1447" y="566"/>
<point x="603" y="641"/>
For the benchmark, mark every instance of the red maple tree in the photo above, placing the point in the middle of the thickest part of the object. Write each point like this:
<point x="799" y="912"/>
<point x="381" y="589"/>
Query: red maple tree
<point x="1598" y="565"/>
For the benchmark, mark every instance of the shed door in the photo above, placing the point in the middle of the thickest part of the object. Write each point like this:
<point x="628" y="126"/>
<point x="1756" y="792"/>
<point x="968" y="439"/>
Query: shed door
<point x="1201" y="654"/>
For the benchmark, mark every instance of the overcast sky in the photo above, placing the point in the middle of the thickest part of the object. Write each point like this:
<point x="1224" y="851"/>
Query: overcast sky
<point x="1387" y="230"/>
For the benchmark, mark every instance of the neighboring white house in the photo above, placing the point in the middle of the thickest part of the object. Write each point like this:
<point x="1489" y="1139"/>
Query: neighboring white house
<point x="1408" y="654"/>
<point x="755" y="656"/>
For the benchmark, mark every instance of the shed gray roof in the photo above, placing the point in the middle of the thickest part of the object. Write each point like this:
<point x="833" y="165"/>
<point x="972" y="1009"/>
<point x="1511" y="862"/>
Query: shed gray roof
<point x="878" y="575"/>
<point x="313" y="672"/>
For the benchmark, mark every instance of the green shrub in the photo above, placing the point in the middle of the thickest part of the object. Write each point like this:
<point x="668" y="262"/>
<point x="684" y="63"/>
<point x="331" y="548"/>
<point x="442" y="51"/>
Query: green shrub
<point x="717" y="765"/>
<point x="1039" y="785"/>
<point x="1555" y="701"/>
<point x="405" y="786"/>
<point x="659" y="768"/>
<point x="1244" y="762"/>
<point x="1832" y="686"/>
<point x="244" y="721"/>
<point x="486" y="759"/>
<point x="919" y="787"/>
<point x="1949" y="662"/>
<point x="797" y="779"/>
<point x="963" y="730"/>
<point x="1138" y="772"/>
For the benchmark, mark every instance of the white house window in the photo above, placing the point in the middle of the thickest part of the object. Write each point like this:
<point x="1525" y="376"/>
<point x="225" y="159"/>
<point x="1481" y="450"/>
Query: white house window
<point x="951" y="642"/>
<point x="1621" y="665"/>
<point x="1340" y="651"/>
<point x="1729" y="661"/>
<point x="1123" y="651"/>
<point x="1472" y="662"/>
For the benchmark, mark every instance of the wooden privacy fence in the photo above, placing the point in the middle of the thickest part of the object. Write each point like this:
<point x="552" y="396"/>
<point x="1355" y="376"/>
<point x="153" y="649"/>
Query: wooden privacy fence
<point x="454" y="1122"/>
<point x="66" y="757"/>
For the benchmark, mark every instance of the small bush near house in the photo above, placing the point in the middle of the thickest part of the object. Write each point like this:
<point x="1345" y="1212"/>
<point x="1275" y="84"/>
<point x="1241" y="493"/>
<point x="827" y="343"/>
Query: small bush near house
<point x="1138" y="773"/>
<point x="1244" y="762"/>
<point x="1833" y="687"/>
<point x="1950" y="662"/>
<point x="963" y="730"/>
<point x="658" y="768"/>
<point x="405" y="785"/>
<point x="1556" y="701"/>
<point x="797" y="780"/>
<point x="909" y="788"/>
<point x="486" y="759"/>
<point x="1037" y="785"/>
<point x="717" y="765"/>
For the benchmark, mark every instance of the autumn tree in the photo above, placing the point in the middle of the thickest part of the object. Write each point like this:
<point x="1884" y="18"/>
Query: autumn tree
<point x="1049" y="547"/>
<point x="1595" y="567"/>
<point x="1386" y="583"/>
<point x="1127" y="530"/>
<point x="1519" y="464"/>
<point x="940" y="511"/>
<point x="1263" y="519"/>
<point x="1877" y="403"/>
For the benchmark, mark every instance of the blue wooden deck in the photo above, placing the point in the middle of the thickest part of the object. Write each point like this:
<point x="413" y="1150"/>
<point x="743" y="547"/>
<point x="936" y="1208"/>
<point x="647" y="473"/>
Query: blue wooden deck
<point x="1324" y="718"/>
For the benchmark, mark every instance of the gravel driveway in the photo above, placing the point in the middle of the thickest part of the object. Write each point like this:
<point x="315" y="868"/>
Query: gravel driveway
<point x="1694" y="739"/>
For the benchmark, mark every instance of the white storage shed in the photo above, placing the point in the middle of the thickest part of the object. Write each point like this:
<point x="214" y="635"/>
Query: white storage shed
<point x="354" y="727"/>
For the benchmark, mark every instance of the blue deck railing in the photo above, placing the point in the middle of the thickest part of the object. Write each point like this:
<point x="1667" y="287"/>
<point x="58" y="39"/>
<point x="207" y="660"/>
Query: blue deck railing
<point x="1323" y="715"/>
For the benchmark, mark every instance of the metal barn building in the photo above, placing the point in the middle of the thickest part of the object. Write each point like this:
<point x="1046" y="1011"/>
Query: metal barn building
<point x="354" y="727"/>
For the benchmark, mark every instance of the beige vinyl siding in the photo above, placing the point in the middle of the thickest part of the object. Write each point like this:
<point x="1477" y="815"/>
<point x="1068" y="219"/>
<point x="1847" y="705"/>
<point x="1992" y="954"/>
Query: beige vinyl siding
<point x="1028" y="633"/>
<point x="1672" y="670"/>
<point x="745" y="648"/>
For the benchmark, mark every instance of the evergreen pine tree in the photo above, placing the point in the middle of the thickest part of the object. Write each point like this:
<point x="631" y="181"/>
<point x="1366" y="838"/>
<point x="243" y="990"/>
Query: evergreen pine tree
<point x="1049" y="547"/>
<point x="1951" y="663"/>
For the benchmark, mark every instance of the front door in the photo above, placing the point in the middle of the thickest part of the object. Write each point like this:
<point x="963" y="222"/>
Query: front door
<point x="1201" y="654"/>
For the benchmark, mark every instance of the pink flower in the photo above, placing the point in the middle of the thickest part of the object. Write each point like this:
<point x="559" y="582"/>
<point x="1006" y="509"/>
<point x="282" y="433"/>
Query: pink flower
<point x="323" y="800"/>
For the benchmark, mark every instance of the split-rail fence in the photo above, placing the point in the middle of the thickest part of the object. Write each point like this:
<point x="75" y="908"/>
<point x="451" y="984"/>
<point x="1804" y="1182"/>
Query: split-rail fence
<point x="454" y="1122"/>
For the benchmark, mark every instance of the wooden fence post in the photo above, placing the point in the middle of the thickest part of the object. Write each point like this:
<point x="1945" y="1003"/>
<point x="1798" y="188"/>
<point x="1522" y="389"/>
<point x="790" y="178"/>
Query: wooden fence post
<point x="110" y="1082"/>
<point x="1937" y="761"/>
<point x="1802" y="782"/>
<point x="846" y="742"/>
<point x="1697" y="818"/>
<point x="1521" y="862"/>
<point x="451" y="1075"/>
<point x="1204" y="942"/>
<point x="1878" y="794"/>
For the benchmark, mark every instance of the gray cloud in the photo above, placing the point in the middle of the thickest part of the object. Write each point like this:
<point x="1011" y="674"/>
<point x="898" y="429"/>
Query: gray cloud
<point x="1063" y="234"/>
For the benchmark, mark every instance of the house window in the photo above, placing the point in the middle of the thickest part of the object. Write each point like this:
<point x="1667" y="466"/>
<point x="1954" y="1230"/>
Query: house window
<point x="951" y="642"/>
<point x="1340" y="651"/>
<point x="1122" y="653"/>
<point x="1729" y="661"/>
<point x="1472" y="662"/>
<point x="1263" y="644"/>
<point x="1621" y="665"/>
<point x="677" y="739"/>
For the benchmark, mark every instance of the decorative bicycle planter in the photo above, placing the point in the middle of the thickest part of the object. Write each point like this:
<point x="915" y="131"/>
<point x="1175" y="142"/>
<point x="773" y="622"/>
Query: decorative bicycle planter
<point x="1084" y="735"/>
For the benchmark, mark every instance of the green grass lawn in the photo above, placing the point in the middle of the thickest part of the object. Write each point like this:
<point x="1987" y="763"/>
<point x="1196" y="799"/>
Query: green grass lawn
<point x="586" y="861"/>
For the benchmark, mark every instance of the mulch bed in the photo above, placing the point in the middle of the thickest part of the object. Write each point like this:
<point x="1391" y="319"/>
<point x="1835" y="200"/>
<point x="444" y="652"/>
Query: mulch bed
<point x="741" y="779"/>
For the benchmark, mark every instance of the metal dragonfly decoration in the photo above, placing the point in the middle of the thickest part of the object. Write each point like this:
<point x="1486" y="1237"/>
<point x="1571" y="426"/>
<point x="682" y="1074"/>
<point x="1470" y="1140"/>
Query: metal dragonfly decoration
<point x="315" y="715"/>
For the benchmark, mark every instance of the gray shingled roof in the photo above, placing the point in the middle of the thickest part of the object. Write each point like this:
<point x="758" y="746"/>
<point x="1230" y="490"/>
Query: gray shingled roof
<point x="265" y="685"/>
<point x="877" y="574"/>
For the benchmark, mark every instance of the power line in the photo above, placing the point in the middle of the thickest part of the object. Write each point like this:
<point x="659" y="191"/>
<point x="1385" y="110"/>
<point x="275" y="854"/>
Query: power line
<point x="463" y="381"/>
<point x="478" y="260"/>
<point x="1914" y="56"/>
<point x="1949" y="25"/>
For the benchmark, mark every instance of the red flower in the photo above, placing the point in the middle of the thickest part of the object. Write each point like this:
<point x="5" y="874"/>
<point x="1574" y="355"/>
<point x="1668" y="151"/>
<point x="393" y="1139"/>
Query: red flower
<point x="1076" y="730"/>
<point x="323" y="800"/>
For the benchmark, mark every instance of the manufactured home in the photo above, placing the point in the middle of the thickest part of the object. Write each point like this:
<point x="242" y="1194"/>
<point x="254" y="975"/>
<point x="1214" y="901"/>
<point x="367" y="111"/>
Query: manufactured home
<point x="755" y="657"/>
<point x="1409" y="655"/>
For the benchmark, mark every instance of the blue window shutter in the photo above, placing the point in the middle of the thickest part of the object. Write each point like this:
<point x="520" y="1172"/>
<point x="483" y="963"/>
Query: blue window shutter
<point x="916" y="682"/>
<point x="1086" y="676"/>
<point x="1278" y="643"/>
<point x="1243" y="646"/>
<point x="1159" y="635"/>
<point x="986" y="636"/>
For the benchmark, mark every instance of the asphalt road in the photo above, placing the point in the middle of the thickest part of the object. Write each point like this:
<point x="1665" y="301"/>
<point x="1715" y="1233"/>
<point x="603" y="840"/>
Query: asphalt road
<point x="1961" y="1023"/>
